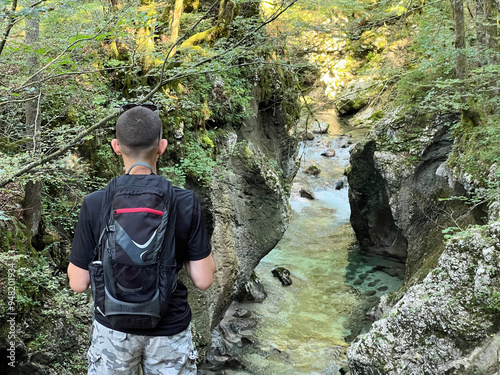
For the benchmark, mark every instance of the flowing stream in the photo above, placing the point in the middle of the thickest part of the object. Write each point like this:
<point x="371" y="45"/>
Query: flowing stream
<point x="303" y="328"/>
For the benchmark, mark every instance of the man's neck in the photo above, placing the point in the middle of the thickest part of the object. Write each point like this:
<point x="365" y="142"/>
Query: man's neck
<point x="139" y="169"/>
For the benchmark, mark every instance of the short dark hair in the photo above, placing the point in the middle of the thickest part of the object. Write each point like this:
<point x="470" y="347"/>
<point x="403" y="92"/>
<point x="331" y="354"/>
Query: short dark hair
<point x="139" y="128"/>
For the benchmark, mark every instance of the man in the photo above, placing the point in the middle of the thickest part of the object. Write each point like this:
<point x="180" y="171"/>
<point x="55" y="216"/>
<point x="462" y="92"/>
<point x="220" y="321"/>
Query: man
<point x="168" y="348"/>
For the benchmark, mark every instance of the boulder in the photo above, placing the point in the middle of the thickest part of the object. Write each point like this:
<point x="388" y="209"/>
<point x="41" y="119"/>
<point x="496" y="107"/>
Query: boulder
<point x="309" y="194"/>
<point x="320" y="128"/>
<point x="329" y="153"/>
<point x="446" y="323"/>
<point x="253" y="291"/>
<point x="313" y="170"/>
<point x="354" y="97"/>
<point x="308" y="136"/>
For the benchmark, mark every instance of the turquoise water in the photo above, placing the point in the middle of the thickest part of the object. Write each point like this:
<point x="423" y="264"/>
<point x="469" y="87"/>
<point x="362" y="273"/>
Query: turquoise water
<point x="302" y="328"/>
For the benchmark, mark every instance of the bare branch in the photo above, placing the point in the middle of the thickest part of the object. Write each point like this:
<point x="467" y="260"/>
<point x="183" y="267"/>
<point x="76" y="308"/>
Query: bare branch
<point x="61" y="151"/>
<point x="60" y="75"/>
<point x="28" y="81"/>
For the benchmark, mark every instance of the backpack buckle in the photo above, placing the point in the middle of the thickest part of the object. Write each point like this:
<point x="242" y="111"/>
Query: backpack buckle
<point x="110" y="228"/>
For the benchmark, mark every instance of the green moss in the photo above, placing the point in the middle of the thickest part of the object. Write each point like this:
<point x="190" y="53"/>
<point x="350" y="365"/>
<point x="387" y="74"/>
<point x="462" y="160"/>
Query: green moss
<point x="199" y="38"/>
<point x="246" y="152"/>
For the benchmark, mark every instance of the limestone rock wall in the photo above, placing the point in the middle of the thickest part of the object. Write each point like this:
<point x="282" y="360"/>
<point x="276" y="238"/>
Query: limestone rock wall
<point x="400" y="198"/>
<point x="249" y="209"/>
<point x="444" y="320"/>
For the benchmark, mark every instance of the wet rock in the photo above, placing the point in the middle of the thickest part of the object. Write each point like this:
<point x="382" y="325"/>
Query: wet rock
<point x="381" y="309"/>
<point x="309" y="194"/>
<point x="339" y="184"/>
<point x="313" y="170"/>
<point x="329" y="153"/>
<point x="233" y="331"/>
<point x="283" y="275"/>
<point x="253" y="291"/>
<point x="239" y="325"/>
<point x="219" y="358"/>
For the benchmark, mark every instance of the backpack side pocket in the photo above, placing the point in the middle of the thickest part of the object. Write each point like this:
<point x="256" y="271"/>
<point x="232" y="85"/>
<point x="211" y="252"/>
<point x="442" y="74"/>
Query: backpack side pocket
<point x="97" y="284"/>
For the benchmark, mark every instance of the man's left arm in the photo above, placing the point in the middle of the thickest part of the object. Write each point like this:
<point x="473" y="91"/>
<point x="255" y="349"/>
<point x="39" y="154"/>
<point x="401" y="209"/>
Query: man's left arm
<point x="201" y="272"/>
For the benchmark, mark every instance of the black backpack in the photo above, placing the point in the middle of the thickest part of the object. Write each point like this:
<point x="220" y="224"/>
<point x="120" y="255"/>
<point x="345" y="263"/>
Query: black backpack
<point x="133" y="272"/>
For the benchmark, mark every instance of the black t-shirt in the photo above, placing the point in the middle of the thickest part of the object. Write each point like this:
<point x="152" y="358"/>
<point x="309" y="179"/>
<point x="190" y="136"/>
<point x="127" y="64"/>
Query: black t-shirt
<point x="191" y="243"/>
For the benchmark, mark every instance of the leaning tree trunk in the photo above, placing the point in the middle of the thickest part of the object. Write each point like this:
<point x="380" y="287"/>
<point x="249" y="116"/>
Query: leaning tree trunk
<point x="32" y="202"/>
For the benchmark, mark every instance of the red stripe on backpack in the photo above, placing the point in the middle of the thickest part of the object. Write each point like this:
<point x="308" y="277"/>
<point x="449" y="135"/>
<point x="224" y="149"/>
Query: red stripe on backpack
<point x="138" y="209"/>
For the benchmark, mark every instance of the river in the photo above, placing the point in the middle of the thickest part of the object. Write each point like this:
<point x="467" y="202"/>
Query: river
<point x="304" y="328"/>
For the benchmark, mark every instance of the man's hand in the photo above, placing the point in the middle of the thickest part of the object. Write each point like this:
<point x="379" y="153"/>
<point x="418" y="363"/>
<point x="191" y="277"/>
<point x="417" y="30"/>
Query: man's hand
<point x="79" y="279"/>
<point x="201" y="272"/>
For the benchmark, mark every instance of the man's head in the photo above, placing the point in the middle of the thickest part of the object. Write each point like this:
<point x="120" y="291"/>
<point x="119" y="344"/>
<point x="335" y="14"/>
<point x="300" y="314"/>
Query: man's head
<point x="139" y="131"/>
<point x="139" y="135"/>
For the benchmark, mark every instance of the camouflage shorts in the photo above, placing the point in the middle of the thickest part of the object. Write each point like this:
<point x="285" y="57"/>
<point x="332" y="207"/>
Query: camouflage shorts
<point x="115" y="352"/>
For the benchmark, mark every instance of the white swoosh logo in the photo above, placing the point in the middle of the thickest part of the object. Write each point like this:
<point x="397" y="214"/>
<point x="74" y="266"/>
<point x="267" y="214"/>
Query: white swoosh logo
<point x="147" y="243"/>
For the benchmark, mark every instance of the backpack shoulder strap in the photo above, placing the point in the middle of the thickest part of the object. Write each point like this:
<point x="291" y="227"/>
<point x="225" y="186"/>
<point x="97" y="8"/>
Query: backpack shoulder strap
<point x="107" y="201"/>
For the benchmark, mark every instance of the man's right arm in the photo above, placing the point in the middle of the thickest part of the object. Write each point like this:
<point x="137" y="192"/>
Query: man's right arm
<point x="82" y="249"/>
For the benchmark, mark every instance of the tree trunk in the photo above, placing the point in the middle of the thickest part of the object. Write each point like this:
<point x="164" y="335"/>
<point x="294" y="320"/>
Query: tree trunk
<point x="32" y="203"/>
<point x="175" y="26"/>
<point x="457" y="7"/>
<point x="226" y="15"/>
<point x="486" y="25"/>
<point x="487" y="37"/>
<point x="176" y="18"/>
<point x="145" y="35"/>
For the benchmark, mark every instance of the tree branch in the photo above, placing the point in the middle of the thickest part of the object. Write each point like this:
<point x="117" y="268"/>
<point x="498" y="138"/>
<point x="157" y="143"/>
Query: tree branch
<point x="10" y="25"/>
